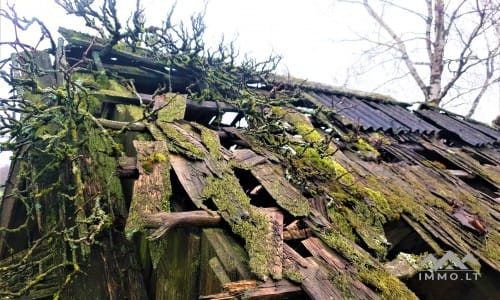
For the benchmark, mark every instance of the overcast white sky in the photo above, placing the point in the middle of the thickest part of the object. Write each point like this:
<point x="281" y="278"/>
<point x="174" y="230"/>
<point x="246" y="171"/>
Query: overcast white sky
<point x="306" y="33"/>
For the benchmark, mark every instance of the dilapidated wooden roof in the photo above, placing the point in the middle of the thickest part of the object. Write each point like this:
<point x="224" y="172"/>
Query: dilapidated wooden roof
<point x="342" y="201"/>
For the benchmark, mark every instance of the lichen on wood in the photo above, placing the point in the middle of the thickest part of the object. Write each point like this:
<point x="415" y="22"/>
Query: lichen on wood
<point x="170" y="107"/>
<point x="234" y="205"/>
<point x="153" y="189"/>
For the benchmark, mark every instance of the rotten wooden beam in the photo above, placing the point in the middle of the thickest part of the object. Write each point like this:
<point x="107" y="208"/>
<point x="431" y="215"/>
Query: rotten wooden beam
<point x="268" y="290"/>
<point x="166" y="221"/>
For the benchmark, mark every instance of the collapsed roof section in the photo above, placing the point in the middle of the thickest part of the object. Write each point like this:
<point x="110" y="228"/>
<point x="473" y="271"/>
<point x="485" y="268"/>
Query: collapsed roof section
<point x="340" y="200"/>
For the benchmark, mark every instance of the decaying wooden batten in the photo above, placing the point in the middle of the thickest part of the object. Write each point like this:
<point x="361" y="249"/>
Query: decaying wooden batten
<point x="330" y="204"/>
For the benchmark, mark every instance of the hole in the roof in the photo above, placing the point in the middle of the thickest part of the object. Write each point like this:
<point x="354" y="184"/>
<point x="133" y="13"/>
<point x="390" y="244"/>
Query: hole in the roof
<point x="212" y="120"/>
<point x="231" y="141"/>
<point x="437" y="159"/>
<point x="114" y="58"/>
<point x="256" y="85"/>
<point x="450" y="139"/>
<point x="228" y="118"/>
<point x="480" y="158"/>
<point x="242" y="123"/>
<point x="403" y="239"/>
<point x="258" y="195"/>
<point x="170" y="69"/>
<point x="482" y="185"/>
<point x="388" y="157"/>
<point x="298" y="247"/>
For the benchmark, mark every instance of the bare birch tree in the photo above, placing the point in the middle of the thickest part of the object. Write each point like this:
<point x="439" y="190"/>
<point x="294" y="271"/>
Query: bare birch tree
<point x="453" y="55"/>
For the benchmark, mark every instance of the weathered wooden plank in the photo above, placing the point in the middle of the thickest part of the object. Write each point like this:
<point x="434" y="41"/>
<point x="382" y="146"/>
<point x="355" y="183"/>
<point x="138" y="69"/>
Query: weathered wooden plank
<point x="314" y="280"/>
<point x="218" y="271"/>
<point x="191" y="175"/>
<point x="179" y="266"/>
<point x="275" y="218"/>
<point x="109" y="96"/>
<point x="232" y="257"/>
<point x="297" y="234"/>
<point x="246" y="158"/>
<point x="272" y="290"/>
<point x="319" y="250"/>
<point x="152" y="189"/>
<point x="285" y="194"/>
<point x="271" y="177"/>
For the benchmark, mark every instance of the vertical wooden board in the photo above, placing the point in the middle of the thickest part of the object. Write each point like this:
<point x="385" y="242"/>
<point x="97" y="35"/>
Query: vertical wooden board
<point x="218" y="271"/>
<point x="231" y="256"/>
<point x="177" y="274"/>
<point x="152" y="189"/>
<point x="275" y="218"/>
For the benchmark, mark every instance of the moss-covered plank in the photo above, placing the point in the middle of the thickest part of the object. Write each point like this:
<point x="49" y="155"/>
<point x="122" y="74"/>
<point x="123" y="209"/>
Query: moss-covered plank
<point x="275" y="219"/>
<point x="273" y="180"/>
<point x="152" y="189"/>
<point x="182" y="141"/>
<point x="117" y="97"/>
<point x="170" y="106"/>
<point x="286" y="195"/>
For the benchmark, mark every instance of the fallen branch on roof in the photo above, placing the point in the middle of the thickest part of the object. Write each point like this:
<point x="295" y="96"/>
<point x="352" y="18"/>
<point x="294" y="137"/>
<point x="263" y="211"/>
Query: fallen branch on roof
<point x="166" y="221"/>
<point x="134" y="126"/>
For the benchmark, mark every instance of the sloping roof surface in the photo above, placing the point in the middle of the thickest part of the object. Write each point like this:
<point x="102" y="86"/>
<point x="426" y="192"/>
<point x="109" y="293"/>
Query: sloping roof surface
<point x="463" y="129"/>
<point x="405" y="117"/>
<point x="372" y="115"/>
<point x="360" y="113"/>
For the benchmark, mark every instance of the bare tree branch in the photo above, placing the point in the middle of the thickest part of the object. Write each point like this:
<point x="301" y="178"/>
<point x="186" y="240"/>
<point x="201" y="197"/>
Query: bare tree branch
<point x="400" y="46"/>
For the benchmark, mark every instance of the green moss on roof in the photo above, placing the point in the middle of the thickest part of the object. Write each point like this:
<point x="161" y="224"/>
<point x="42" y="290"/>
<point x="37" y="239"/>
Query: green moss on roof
<point x="233" y="203"/>
<point x="305" y="85"/>
<point x="179" y="142"/>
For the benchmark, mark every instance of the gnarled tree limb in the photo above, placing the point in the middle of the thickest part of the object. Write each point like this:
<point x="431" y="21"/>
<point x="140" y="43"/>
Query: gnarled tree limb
<point x="166" y="221"/>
